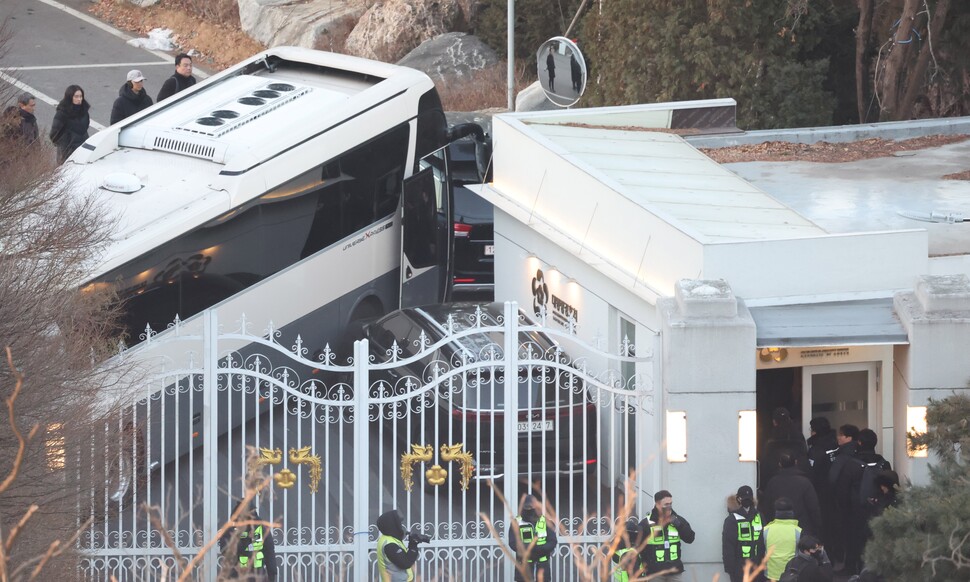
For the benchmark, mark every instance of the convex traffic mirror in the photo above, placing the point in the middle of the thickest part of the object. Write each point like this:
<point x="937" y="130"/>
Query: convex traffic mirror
<point x="562" y="71"/>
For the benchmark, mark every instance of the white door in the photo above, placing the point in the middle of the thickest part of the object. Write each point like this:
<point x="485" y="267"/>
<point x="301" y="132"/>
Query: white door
<point x="842" y="393"/>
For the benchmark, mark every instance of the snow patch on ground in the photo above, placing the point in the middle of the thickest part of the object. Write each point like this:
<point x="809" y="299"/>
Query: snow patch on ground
<point x="159" y="39"/>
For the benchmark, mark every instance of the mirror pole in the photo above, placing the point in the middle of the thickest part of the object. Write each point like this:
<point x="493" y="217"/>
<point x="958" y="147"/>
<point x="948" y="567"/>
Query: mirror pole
<point x="510" y="58"/>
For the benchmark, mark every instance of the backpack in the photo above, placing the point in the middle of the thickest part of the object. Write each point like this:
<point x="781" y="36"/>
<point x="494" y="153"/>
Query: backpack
<point x="867" y="484"/>
<point x="793" y="570"/>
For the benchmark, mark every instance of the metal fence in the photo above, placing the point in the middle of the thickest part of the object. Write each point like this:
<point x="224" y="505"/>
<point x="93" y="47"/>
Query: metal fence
<point x="445" y="424"/>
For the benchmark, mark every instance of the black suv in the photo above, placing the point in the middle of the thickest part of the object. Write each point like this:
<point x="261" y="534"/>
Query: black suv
<point x="474" y="255"/>
<point x="556" y="422"/>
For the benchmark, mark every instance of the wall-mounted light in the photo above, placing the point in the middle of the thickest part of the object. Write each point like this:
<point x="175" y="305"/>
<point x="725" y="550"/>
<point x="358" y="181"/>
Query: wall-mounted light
<point x="915" y="422"/>
<point x="772" y="354"/>
<point x="676" y="436"/>
<point x="747" y="435"/>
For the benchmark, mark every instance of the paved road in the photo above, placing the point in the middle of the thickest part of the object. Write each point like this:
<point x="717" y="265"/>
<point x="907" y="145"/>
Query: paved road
<point x="56" y="44"/>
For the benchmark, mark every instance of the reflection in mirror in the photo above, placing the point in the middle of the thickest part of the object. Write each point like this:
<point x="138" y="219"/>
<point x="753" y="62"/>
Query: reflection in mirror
<point x="562" y="71"/>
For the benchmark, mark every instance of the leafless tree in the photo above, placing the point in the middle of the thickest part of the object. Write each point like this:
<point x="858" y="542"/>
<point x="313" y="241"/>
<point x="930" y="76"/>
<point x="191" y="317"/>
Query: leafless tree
<point x="59" y="334"/>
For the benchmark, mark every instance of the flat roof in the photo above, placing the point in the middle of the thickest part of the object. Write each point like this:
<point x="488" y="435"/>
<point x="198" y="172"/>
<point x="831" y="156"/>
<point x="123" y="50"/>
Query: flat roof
<point x="870" y="195"/>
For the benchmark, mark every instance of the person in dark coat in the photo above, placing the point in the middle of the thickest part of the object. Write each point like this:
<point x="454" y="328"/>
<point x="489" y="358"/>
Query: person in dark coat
<point x="180" y="80"/>
<point x="888" y="483"/>
<point x="792" y="483"/>
<point x="551" y="70"/>
<point x="810" y="561"/>
<point x="857" y="532"/>
<point x="822" y="447"/>
<point x="28" y="122"/>
<point x="10" y="123"/>
<point x="71" y="122"/>
<point x="786" y="437"/>
<point x="839" y="481"/>
<point x="741" y="536"/>
<point x="577" y="73"/>
<point x="132" y="97"/>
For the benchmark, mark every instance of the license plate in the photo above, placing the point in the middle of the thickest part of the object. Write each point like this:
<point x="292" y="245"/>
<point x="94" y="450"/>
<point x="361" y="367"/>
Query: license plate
<point x="489" y="250"/>
<point x="534" y="425"/>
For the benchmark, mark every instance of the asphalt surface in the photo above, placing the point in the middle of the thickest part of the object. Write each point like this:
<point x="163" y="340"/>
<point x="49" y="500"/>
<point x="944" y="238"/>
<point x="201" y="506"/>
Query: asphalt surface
<point x="57" y="43"/>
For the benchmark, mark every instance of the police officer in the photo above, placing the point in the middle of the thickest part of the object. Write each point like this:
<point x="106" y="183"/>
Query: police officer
<point x="255" y="553"/>
<point x="533" y="541"/>
<point x="741" y="540"/>
<point x="626" y="560"/>
<point x="665" y="530"/>
<point x="394" y="562"/>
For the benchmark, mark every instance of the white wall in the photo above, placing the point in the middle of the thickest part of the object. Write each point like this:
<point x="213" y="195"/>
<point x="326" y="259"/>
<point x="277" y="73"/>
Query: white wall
<point x="835" y="264"/>
<point x="708" y="373"/>
<point x="934" y="365"/>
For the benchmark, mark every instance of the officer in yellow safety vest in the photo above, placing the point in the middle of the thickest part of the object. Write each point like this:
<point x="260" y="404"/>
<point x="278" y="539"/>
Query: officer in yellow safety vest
<point x="626" y="559"/>
<point x="255" y="554"/>
<point x="395" y="563"/>
<point x="533" y="541"/>
<point x="665" y="530"/>
<point x="742" y="541"/>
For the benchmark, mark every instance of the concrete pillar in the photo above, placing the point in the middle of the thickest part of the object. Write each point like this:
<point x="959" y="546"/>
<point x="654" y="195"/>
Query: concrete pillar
<point x="708" y="371"/>
<point x="936" y="317"/>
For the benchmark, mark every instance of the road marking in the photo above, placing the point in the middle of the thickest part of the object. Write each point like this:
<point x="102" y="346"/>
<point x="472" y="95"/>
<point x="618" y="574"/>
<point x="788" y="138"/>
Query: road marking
<point x="166" y="58"/>
<point x="97" y="23"/>
<point x="89" y="66"/>
<point x="37" y="94"/>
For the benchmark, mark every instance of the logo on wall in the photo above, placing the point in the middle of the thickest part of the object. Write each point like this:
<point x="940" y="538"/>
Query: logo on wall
<point x="540" y="293"/>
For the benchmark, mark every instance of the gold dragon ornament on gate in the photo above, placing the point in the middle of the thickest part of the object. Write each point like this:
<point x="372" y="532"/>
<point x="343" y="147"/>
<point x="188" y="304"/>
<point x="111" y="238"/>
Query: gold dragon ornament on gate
<point x="436" y="475"/>
<point x="286" y="478"/>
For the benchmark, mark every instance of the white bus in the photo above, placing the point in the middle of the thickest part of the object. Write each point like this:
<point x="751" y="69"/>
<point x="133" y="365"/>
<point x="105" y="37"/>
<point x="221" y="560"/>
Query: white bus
<point x="281" y="177"/>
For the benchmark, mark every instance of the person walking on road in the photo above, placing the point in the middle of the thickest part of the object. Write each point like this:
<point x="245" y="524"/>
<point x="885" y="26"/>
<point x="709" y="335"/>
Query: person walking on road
<point x="741" y="537"/>
<point x="576" y="72"/>
<point x="180" y="80"/>
<point x="533" y="541"/>
<point x="28" y="122"/>
<point x="71" y="122"/>
<point x="665" y="530"/>
<point x="132" y="97"/>
<point x="551" y="70"/>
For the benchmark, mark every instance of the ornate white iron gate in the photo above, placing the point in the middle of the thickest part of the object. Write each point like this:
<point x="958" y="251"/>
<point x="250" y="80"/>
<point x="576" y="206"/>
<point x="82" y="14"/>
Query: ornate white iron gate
<point x="418" y="422"/>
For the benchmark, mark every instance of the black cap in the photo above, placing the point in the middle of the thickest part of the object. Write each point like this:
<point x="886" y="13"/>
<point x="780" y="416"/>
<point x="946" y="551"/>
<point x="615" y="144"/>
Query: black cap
<point x="745" y="491"/>
<point x="781" y="414"/>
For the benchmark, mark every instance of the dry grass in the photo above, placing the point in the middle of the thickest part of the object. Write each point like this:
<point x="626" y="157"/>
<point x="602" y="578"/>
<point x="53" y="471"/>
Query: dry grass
<point x="219" y="42"/>
<point x="485" y="89"/>
<point x="825" y="152"/>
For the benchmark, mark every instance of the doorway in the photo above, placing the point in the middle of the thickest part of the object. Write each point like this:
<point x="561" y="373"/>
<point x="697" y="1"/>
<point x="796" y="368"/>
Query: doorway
<point x="775" y="388"/>
<point x="842" y="393"/>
